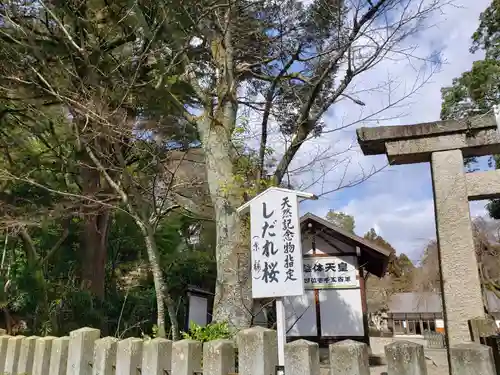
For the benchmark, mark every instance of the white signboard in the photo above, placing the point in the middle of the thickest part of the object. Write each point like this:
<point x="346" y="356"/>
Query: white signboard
<point x="198" y="307"/>
<point x="329" y="273"/>
<point x="276" y="251"/>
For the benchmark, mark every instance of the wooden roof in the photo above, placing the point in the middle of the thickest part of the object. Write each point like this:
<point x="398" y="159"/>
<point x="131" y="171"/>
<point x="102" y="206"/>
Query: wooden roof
<point x="429" y="302"/>
<point x="373" y="258"/>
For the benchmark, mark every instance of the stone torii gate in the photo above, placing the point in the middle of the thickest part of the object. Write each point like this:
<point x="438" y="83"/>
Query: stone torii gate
<point x="445" y="144"/>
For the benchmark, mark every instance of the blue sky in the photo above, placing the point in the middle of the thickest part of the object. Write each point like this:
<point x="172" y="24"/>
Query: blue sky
<point x="397" y="202"/>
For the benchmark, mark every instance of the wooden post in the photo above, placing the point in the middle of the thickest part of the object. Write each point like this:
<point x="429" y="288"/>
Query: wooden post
<point x="362" y="291"/>
<point x="281" y="331"/>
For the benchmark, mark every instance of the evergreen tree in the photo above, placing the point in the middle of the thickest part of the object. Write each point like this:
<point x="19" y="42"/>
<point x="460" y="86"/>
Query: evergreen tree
<point x="341" y="220"/>
<point x="476" y="91"/>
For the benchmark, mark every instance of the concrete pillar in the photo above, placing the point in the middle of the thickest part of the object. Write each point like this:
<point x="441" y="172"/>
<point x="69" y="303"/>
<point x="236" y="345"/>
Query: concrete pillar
<point x="13" y="351"/>
<point x="257" y="351"/>
<point x="27" y="355"/>
<point x="471" y="359"/>
<point x="186" y="357"/>
<point x="41" y="361"/>
<point x="129" y="356"/>
<point x="349" y="357"/>
<point x="81" y="351"/>
<point x="461" y="287"/>
<point x="302" y="357"/>
<point x="218" y="357"/>
<point x="405" y="358"/>
<point x="4" y="341"/>
<point x="156" y="357"/>
<point x="59" y="356"/>
<point x="104" y="356"/>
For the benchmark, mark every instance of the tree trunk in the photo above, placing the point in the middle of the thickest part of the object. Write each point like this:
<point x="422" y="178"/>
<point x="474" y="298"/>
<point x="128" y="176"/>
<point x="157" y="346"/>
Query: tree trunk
<point x="95" y="233"/>
<point x="233" y="300"/>
<point x="174" y="324"/>
<point x="233" y="294"/>
<point x="163" y="296"/>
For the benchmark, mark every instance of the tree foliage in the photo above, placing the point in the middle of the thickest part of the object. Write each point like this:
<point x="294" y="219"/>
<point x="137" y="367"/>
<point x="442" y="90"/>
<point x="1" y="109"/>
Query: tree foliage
<point x="397" y="278"/>
<point x="129" y="307"/>
<point x="476" y="91"/>
<point x="284" y="64"/>
<point x="102" y="103"/>
<point x="80" y="122"/>
<point x="486" y="246"/>
<point x="341" y="220"/>
<point x="427" y="277"/>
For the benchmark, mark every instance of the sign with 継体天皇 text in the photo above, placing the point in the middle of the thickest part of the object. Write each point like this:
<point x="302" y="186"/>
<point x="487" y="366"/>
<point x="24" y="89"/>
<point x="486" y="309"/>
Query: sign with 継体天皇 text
<point x="330" y="273"/>
<point x="276" y="250"/>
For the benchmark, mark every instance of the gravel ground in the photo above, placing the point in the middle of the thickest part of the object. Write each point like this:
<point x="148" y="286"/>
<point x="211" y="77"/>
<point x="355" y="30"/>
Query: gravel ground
<point x="437" y="364"/>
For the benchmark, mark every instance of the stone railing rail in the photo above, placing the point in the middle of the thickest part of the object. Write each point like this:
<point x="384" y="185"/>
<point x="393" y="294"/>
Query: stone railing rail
<point x="84" y="352"/>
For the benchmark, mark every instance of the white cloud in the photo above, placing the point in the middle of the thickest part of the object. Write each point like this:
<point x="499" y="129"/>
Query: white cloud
<point x="478" y="209"/>
<point x="398" y="201"/>
<point x="406" y="223"/>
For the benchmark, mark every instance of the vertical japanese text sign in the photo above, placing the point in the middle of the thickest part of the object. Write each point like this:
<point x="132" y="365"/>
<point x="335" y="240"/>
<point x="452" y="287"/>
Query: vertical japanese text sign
<point x="276" y="248"/>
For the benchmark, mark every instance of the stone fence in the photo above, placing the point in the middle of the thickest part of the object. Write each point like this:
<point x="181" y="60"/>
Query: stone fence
<point x="85" y="353"/>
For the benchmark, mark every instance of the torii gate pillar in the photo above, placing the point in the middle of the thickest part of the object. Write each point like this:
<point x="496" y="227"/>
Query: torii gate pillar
<point x="444" y="144"/>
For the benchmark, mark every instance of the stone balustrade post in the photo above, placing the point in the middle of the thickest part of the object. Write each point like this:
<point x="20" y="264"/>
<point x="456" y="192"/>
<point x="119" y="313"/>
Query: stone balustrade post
<point x="218" y="357"/>
<point x="81" y="351"/>
<point x="4" y="342"/>
<point x="405" y="358"/>
<point x="257" y="351"/>
<point x="186" y="357"/>
<point x="41" y="360"/>
<point x="27" y="355"/>
<point x="104" y="356"/>
<point x="13" y="351"/>
<point x="157" y="357"/>
<point x="59" y="356"/>
<point x="302" y="357"/>
<point x="471" y="359"/>
<point x="349" y="357"/>
<point x="129" y="356"/>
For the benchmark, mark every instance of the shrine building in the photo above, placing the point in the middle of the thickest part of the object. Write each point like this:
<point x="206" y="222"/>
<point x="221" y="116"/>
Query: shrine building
<point x="335" y="264"/>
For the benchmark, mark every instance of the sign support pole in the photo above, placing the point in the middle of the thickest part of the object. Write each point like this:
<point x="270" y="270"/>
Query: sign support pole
<point x="276" y="252"/>
<point x="281" y="331"/>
